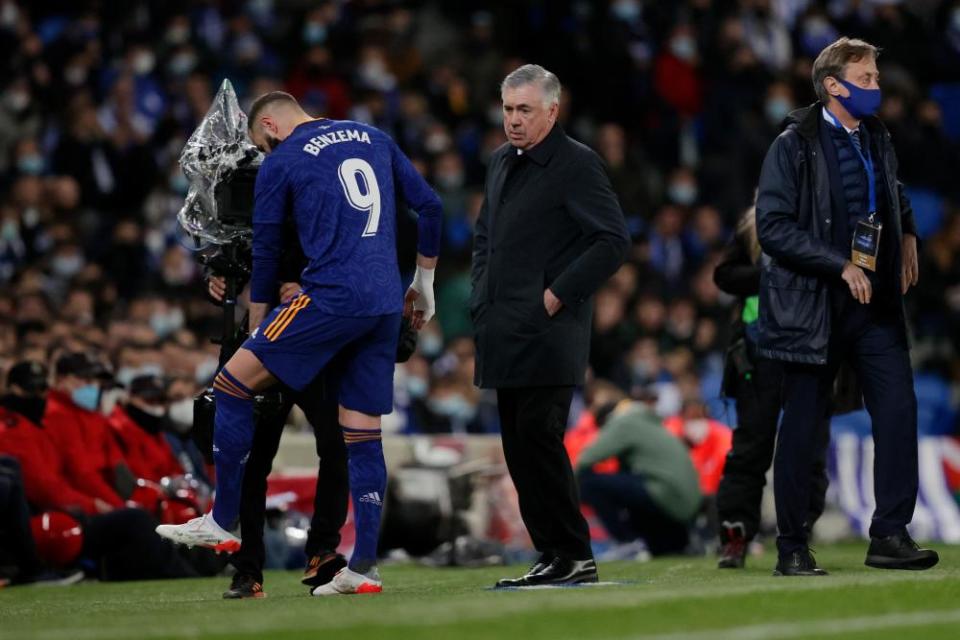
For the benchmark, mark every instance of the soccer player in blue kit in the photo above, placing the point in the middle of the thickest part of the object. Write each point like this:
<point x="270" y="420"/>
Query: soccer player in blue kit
<point x="339" y="180"/>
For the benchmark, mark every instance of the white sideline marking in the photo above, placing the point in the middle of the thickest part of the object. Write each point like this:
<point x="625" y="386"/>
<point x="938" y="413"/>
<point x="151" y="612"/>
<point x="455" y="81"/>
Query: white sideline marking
<point x="834" y="626"/>
<point x="586" y="599"/>
<point x="544" y="587"/>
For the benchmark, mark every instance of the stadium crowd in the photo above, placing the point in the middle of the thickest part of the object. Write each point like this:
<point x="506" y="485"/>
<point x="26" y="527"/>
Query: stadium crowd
<point x="681" y="99"/>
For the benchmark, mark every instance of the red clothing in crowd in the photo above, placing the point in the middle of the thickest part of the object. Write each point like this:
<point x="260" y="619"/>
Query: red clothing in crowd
<point x="678" y="83"/>
<point x="82" y="434"/>
<point x="52" y="478"/>
<point x="148" y="454"/>
<point x="580" y="437"/>
<point x="708" y="454"/>
<point x="322" y="89"/>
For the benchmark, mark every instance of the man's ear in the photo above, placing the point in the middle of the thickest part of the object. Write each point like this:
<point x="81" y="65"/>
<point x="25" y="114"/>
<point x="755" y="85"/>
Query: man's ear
<point x="554" y="112"/>
<point x="833" y="87"/>
<point x="268" y="124"/>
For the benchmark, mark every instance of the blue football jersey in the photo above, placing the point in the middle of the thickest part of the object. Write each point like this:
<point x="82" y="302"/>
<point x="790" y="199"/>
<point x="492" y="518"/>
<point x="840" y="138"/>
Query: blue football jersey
<point x="340" y="181"/>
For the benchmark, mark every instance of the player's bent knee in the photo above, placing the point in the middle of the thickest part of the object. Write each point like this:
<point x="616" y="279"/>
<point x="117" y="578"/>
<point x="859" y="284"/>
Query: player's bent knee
<point x="358" y="420"/>
<point x="247" y="369"/>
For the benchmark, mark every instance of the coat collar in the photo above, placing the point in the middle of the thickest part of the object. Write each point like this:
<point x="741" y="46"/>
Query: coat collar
<point x="807" y="121"/>
<point x="543" y="151"/>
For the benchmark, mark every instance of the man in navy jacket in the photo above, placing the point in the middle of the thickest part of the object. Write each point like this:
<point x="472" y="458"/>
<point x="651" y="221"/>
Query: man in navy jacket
<point x="840" y="251"/>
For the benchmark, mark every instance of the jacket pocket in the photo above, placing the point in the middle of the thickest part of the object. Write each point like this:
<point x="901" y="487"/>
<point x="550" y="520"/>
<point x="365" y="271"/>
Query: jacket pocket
<point x="778" y="277"/>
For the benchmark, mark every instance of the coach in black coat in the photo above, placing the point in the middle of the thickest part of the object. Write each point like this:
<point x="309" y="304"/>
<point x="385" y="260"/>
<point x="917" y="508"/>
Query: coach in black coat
<point x="550" y="233"/>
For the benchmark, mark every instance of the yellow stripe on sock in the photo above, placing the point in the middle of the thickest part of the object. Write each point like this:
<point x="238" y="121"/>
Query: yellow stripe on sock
<point x="226" y="382"/>
<point x="229" y="391"/>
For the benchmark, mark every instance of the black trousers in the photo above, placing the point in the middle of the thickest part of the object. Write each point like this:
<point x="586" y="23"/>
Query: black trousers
<point x="532" y="424"/>
<point x="744" y="472"/>
<point x="875" y="342"/>
<point x="330" y="503"/>
<point x="122" y="543"/>
<point x="18" y="555"/>
<point x="628" y="512"/>
<point x="125" y="546"/>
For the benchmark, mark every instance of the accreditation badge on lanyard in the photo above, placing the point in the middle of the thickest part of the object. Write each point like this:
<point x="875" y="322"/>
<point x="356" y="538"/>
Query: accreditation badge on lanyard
<point x="866" y="243"/>
<point x="866" y="236"/>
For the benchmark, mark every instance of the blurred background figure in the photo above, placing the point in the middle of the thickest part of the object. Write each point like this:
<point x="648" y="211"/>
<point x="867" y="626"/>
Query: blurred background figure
<point x="651" y="502"/>
<point x="755" y="385"/>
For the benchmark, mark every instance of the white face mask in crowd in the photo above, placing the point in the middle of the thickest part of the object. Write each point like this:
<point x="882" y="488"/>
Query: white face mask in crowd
<point x="181" y="415"/>
<point x="204" y="371"/>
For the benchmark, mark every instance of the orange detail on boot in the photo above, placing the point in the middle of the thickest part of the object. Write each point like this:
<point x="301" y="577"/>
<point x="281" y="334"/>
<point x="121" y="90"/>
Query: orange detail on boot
<point x="230" y="546"/>
<point x="368" y="587"/>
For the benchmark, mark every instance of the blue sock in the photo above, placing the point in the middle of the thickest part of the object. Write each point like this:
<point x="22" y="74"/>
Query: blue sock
<point x="232" y="439"/>
<point x="368" y="483"/>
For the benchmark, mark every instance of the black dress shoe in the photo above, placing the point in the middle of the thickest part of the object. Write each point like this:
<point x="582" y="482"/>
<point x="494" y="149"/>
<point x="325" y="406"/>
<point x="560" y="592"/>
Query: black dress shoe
<point x="798" y="563"/>
<point x="523" y="581"/>
<point x="563" y="571"/>
<point x="899" y="552"/>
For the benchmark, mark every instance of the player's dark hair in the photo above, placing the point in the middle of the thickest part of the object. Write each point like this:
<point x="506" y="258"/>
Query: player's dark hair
<point x="266" y="100"/>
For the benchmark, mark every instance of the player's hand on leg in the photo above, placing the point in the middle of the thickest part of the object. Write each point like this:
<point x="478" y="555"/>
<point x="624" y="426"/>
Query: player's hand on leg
<point x="258" y="311"/>
<point x="217" y="288"/>
<point x="288" y="290"/>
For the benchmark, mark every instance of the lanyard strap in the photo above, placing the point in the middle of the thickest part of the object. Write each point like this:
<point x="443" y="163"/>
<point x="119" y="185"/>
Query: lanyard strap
<point x="867" y="162"/>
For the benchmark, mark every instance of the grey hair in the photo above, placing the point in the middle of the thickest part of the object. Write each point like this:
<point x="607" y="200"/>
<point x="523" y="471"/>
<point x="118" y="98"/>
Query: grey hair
<point x="548" y="82"/>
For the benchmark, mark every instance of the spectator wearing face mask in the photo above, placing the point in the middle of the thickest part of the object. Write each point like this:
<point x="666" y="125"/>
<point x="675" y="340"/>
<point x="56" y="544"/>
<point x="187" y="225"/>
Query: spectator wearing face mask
<point x="54" y="477"/>
<point x="139" y="425"/>
<point x="118" y="541"/>
<point x="708" y="441"/>
<point x="180" y="427"/>
<point x="73" y="420"/>
<point x="676" y="73"/>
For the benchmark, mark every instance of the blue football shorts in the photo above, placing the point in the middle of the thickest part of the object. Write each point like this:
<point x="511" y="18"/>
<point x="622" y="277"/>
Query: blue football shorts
<point x="297" y="340"/>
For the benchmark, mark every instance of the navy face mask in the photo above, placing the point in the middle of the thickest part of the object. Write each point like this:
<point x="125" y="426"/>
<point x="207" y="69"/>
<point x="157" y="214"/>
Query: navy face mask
<point x="862" y="102"/>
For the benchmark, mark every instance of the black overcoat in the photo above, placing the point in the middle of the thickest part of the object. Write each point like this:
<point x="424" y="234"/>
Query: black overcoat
<point x="560" y="228"/>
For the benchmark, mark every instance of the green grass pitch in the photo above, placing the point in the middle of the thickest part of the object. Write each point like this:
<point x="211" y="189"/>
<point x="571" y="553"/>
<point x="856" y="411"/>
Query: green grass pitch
<point x="675" y="598"/>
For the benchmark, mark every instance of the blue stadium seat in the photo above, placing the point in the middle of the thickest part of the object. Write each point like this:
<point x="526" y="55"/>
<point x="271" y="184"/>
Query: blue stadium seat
<point x="857" y="423"/>
<point x="927" y="210"/>
<point x="935" y="413"/>
<point x="947" y="95"/>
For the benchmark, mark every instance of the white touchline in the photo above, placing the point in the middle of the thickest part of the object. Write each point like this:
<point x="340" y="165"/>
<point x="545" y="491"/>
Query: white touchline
<point x="580" y="600"/>
<point x="831" y="626"/>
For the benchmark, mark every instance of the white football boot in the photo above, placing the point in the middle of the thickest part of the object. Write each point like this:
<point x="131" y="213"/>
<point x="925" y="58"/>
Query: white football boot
<point x="201" y="532"/>
<point x="346" y="582"/>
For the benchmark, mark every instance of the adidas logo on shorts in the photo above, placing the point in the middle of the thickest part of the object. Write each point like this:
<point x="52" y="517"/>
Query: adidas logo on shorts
<point x="372" y="498"/>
